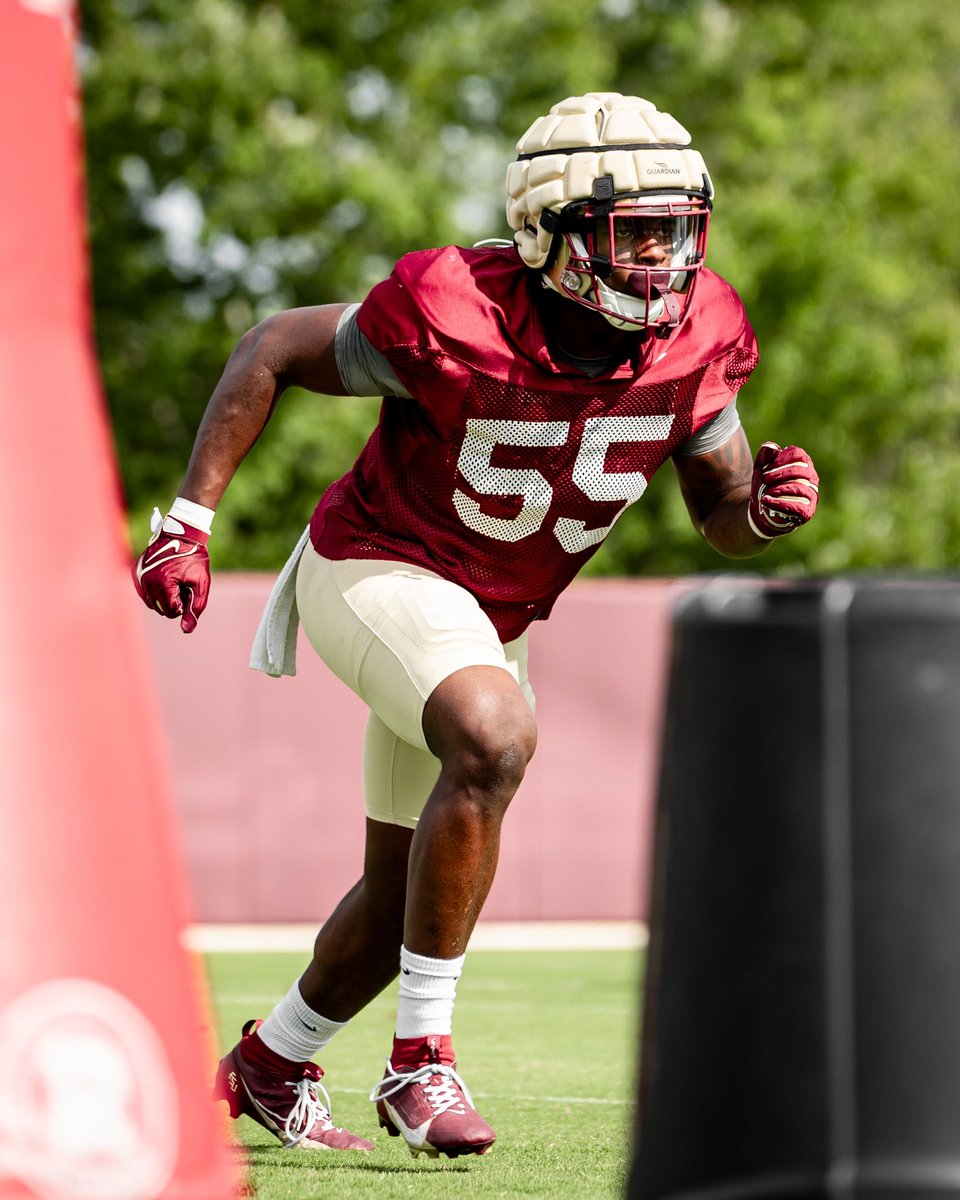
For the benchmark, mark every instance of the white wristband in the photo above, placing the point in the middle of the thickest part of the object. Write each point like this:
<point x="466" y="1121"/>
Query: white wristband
<point x="192" y="514"/>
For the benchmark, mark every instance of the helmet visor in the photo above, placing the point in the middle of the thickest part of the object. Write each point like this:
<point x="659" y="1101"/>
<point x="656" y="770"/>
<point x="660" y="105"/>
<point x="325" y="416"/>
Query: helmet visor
<point x="664" y="236"/>
<point x="654" y="242"/>
<point x="648" y="249"/>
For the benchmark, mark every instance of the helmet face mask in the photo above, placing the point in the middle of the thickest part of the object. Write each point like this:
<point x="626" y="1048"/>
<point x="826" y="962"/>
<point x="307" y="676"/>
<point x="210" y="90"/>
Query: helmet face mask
<point x="610" y="203"/>
<point x="634" y="260"/>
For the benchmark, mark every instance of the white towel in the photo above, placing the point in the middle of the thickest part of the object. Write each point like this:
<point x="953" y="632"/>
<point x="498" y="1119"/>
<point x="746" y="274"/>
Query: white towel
<point x="274" y="648"/>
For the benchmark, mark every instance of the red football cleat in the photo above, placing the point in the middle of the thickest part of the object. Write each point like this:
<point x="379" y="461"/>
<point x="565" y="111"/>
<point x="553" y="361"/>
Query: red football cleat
<point x="293" y="1104"/>
<point x="430" y="1105"/>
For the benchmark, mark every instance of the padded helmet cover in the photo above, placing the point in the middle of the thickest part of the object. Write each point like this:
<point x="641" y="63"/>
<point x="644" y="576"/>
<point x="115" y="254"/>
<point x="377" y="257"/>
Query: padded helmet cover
<point x="584" y="138"/>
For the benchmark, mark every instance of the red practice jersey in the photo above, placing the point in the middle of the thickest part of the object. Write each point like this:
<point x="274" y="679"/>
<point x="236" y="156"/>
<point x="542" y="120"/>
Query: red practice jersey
<point x="508" y="467"/>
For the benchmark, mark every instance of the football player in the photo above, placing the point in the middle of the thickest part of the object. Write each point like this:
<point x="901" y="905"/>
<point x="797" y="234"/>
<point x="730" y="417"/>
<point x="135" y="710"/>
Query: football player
<point x="530" y="390"/>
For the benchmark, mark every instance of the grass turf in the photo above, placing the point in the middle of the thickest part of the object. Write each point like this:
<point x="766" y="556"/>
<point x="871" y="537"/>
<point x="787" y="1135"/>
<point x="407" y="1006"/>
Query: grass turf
<point x="546" y="1041"/>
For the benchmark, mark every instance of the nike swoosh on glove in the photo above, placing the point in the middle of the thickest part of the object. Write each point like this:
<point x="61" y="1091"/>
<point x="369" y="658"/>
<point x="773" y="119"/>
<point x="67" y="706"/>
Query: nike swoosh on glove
<point x="784" y="491"/>
<point x="172" y="575"/>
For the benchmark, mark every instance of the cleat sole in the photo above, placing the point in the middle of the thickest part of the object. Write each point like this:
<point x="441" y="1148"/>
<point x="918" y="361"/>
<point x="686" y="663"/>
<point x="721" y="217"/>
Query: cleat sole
<point x="459" y="1152"/>
<point x="452" y="1152"/>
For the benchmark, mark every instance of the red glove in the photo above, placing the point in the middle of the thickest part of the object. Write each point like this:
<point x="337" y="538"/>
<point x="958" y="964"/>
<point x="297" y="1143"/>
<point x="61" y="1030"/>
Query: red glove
<point x="784" y="491"/>
<point x="173" y="574"/>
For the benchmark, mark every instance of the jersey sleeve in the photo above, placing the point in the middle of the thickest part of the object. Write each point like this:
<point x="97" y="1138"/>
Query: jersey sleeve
<point x="395" y="321"/>
<point x="723" y="324"/>
<point x="714" y="434"/>
<point x="726" y="375"/>
<point x="722" y="347"/>
<point x="363" y="369"/>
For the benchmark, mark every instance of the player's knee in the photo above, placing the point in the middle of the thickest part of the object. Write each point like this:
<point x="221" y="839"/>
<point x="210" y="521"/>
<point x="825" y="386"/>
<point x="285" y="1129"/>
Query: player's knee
<point x="492" y="751"/>
<point x="479" y="725"/>
<point x="501" y="758"/>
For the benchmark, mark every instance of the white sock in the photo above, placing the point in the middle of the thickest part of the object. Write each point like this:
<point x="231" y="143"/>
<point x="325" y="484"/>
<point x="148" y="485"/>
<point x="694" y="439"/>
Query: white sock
<point x="428" y="988"/>
<point x="293" y="1030"/>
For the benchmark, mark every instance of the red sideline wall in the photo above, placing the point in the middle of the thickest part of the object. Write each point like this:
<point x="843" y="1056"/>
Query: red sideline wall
<point x="267" y="771"/>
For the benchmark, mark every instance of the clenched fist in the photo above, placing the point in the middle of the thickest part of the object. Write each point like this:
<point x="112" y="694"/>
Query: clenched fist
<point x="172" y="575"/>
<point x="784" y="491"/>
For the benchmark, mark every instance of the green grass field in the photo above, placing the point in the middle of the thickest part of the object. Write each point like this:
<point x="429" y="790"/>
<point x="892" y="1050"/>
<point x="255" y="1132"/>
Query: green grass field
<point x="546" y="1041"/>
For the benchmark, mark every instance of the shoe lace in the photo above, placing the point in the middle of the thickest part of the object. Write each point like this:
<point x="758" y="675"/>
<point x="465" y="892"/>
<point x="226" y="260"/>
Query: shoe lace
<point x="308" y="1109"/>
<point x="445" y="1089"/>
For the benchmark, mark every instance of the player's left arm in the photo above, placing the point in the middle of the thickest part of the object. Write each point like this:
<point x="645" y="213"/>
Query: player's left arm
<point x="741" y="503"/>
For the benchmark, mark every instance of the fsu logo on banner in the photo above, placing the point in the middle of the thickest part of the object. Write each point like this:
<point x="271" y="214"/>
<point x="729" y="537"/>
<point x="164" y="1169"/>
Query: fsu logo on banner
<point x="88" y="1101"/>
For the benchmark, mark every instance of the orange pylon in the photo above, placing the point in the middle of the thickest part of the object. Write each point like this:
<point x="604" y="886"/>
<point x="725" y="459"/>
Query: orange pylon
<point x="104" y="1078"/>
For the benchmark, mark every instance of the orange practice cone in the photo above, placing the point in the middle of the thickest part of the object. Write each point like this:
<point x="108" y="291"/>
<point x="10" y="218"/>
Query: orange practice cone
<point x="104" y="1079"/>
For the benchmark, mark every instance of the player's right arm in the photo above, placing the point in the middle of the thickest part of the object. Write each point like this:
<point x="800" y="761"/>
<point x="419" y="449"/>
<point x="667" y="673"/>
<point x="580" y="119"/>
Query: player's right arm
<point x="295" y="348"/>
<point x="292" y="348"/>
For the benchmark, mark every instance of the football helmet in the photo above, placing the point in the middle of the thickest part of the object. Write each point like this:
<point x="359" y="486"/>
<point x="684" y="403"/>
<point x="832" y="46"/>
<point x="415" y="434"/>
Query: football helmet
<point x="610" y="203"/>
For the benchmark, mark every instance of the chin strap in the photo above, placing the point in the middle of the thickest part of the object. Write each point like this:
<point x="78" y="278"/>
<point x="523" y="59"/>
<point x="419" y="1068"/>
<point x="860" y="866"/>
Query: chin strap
<point x="671" y="302"/>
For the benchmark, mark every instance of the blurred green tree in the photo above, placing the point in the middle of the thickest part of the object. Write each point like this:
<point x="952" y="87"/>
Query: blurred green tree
<point x="245" y="157"/>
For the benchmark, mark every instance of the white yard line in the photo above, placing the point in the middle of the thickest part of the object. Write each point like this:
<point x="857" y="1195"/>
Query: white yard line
<point x="488" y="935"/>
<point x="538" y="1099"/>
